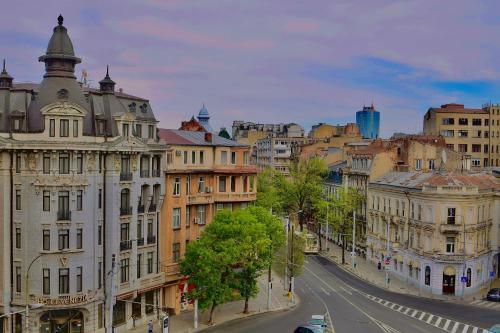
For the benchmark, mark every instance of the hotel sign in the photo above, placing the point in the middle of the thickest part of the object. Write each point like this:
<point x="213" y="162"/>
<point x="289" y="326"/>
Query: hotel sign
<point x="67" y="300"/>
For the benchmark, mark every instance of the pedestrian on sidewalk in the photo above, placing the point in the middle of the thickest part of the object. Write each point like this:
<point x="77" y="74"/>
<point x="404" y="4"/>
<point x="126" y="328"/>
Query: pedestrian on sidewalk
<point x="379" y="266"/>
<point x="150" y="326"/>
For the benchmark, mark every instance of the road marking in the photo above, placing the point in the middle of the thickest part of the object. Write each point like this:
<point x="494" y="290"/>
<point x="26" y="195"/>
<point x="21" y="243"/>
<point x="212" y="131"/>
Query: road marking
<point x="445" y="327"/>
<point x="407" y="310"/>
<point x="326" y="292"/>
<point x="414" y="313"/>
<point x="474" y="330"/>
<point x="422" y="316"/>
<point x="455" y="328"/>
<point x="428" y="321"/>
<point x="488" y="305"/>
<point x="478" y="301"/>
<point x="466" y="328"/>
<point x="438" y="321"/>
<point x="393" y="306"/>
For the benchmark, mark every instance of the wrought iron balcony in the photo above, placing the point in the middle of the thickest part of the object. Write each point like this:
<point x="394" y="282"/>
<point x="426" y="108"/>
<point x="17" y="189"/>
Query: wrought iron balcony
<point x="140" y="241"/>
<point x="125" y="176"/>
<point x="152" y="207"/>
<point x="144" y="173"/>
<point x="126" y="211"/>
<point x="125" y="245"/>
<point x="63" y="215"/>
<point x="151" y="239"/>
<point x="156" y="173"/>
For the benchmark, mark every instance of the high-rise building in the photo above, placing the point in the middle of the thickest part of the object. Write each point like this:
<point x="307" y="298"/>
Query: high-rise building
<point x="82" y="185"/>
<point x="368" y="121"/>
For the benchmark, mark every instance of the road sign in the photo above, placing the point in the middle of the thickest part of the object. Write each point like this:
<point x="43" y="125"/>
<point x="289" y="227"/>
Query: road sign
<point x="463" y="279"/>
<point x="353" y="254"/>
<point x="492" y="274"/>
<point x="387" y="261"/>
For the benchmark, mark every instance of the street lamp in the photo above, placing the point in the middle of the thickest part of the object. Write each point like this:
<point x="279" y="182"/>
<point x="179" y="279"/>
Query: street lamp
<point x="292" y="279"/>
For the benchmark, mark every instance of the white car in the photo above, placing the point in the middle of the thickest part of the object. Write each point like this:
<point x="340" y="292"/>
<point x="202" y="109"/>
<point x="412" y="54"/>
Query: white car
<point x="318" y="321"/>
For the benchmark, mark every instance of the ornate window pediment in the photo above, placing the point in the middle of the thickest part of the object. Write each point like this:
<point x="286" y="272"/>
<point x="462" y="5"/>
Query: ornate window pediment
<point x="63" y="108"/>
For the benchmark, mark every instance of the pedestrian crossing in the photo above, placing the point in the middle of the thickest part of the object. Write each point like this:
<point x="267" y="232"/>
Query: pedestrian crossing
<point x="445" y="324"/>
<point x="486" y="304"/>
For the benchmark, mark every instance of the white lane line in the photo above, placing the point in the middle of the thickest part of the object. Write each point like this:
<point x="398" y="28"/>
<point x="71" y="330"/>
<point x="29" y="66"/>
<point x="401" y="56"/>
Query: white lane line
<point x="326" y="292"/>
<point x="488" y="305"/>
<point x="422" y="316"/>
<point x="407" y="310"/>
<point x="428" y="321"/>
<point x="466" y="328"/>
<point x="476" y="302"/>
<point x="455" y="328"/>
<point x="414" y="313"/>
<point x="393" y="306"/>
<point x="475" y="330"/>
<point x="438" y="321"/>
<point x="347" y="291"/>
<point x="448" y="322"/>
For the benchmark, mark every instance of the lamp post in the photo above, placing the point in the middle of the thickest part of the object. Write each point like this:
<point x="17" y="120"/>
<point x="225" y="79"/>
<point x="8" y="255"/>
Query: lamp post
<point x="291" y="288"/>
<point x="27" y="291"/>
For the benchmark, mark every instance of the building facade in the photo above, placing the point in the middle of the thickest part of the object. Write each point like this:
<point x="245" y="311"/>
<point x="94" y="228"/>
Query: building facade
<point x="368" y="121"/>
<point x="72" y="161"/>
<point x="437" y="227"/>
<point x="475" y="132"/>
<point x="205" y="173"/>
<point x="276" y="152"/>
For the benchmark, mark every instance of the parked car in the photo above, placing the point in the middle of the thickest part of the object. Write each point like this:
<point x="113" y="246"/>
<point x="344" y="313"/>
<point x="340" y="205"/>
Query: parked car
<point x="493" y="295"/>
<point x="318" y="321"/>
<point x="308" y="329"/>
<point x="495" y="328"/>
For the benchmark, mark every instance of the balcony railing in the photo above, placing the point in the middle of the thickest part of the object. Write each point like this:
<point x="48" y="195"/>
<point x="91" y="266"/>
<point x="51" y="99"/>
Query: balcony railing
<point x="156" y="173"/>
<point x="144" y="173"/>
<point x="126" y="211"/>
<point x="125" y="176"/>
<point x="152" y="207"/>
<point x="454" y="228"/>
<point x="63" y="215"/>
<point x="151" y="239"/>
<point x="140" y="208"/>
<point x="125" y="245"/>
<point x="140" y="241"/>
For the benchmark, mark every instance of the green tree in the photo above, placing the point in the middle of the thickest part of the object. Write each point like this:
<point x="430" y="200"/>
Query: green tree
<point x="270" y="186"/>
<point x="294" y="263"/>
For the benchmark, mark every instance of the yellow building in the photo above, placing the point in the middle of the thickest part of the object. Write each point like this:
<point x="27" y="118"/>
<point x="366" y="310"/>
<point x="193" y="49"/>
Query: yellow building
<point x="475" y="132"/>
<point x="205" y="173"/>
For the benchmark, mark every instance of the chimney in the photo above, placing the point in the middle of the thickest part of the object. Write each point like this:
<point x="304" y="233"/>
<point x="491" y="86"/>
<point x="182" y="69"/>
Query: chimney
<point x="208" y="137"/>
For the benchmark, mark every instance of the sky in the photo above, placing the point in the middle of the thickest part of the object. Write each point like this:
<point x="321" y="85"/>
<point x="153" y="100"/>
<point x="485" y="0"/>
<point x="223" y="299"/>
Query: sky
<point x="273" y="61"/>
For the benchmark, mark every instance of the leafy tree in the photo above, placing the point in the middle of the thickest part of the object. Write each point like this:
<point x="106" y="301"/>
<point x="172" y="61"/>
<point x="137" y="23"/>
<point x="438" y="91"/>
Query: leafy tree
<point x="270" y="186"/>
<point x="295" y="262"/>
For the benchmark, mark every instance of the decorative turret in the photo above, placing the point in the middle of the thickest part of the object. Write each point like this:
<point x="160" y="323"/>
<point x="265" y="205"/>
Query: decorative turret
<point x="5" y="78"/>
<point x="107" y="85"/>
<point x="60" y="59"/>
<point x="204" y="117"/>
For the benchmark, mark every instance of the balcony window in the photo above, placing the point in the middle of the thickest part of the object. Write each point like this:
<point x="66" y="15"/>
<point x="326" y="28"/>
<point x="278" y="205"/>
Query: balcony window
<point x="193" y="157"/>
<point x="63" y="240"/>
<point x="64" y="128"/>
<point x="463" y="121"/>
<point x="124" y="270"/>
<point x="176" y="218"/>
<point x="124" y="232"/>
<point x="188" y="216"/>
<point x="46" y="163"/>
<point x="233" y="183"/>
<point x="46" y="281"/>
<point x="125" y="208"/>
<point x="79" y="238"/>
<point x="176" y="252"/>
<point x="150" y="262"/>
<point x="63" y="212"/>
<point x="450" y="244"/>
<point x="46" y="240"/>
<point x="451" y="216"/>
<point x="201" y="185"/>
<point x="145" y="166"/>
<point x="63" y="280"/>
<point x="64" y="163"/>
<point x="222" y="183"/>
<point x="177" y="186"/>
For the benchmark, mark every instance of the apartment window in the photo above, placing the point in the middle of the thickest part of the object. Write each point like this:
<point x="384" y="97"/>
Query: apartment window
<point x="124" y="270"/>
<point x="18" y="279"/>
<point x="63" y="241"/>
<point x="63" y="280"/>
<point x="463" y="121"/>
<point x="233" y="157"/>
<point x="63" y="163"/>
<point x="478" y="134"/>
<point x="63" y="205"/>
<point x="176" y="218"/>
<point x="485" y="162"/>
<point x="176" y="252"/>
<point x="64" y="128"/>
<point x="418" y="164"/>
<point x="46" y="240"/>
<point x="99" y="235"/>
<point x="476" y="162"/>
<point x="476" y="148"/>
<point x="447" y="133"/>
<point x="79" y="238"/>
<point x="75" y="128"/>
<point x="125" y="200"/>
<point x="469" y="277"/>
<point x="485" y="148"/>
<point x="245" y="183"/>
<point x="46" y="281"/>
<point x="139" y="265"/>
<point x="101" y="127"/>
<point x="18" y="163"/>
<point x="99" y="199"/>
<point x="18" y="238"/>
<point x="151" y="131"/>
<point x="177" y="186"/>
<point x="125" y="130"/>
<point x="419" y="212"/>
<point x="233" y="183"/>
<point x="431" y="164"/>
<point x="188" y="216"/>
<point x="79" y="163"/>
<point x="193" y="157"/>
<point x="451" y="216"/>
<point x="79" y="279"/>
<point x="222" y="183"/>
<point x="201" y="185"/>
<point x="427" y="276"/>
<point x="46" y="163"/>
<point x="79" y="199"/>
<point x="99" y="275"/>
<point x="201" y="214"/>
<point x="252" y="180"/>
<point x="18" y="199"/>
<point x="52" y="127"/>
<point x="139" y="229"/>
<point x="487" y="122"/>
<point x="448" y="121"/>
<point x="463" y="133"/>
<point x="188" y="184"/>
<point x="185" y="157"/>
<point x="46" y="201"/>
<point x="201" y="157"/>
<point x="169" y="158"/>
<point x="150" y="262"/>
<point x="223" y="157"/>
<point x="124" y="232"/>
<point x="138" y="130"/>
<point x="450" y="146"/>
<point x="476" y="122"/>
<point x="245" y="157"/>
<point x="220" y="207"/>
<point x="486" y="134"/>
<point x="450" y="244"/>
<point x="150" y="228"/>
<point x="462" y="148"/>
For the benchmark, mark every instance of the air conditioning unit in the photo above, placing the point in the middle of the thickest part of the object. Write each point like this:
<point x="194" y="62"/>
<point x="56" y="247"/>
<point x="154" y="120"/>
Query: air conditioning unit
<point x="178" y="153"/>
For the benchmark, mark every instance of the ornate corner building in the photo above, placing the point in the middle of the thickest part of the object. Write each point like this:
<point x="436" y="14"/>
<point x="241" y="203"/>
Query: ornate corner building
<point x="81" y="173"/>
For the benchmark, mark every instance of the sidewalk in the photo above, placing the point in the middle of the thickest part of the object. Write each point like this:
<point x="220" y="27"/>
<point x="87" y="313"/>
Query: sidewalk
<point x="183" y="323"/>
<point x="369" y="272"/>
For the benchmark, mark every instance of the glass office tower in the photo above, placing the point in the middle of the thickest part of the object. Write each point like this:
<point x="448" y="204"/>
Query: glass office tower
<point x="368" y="121"/>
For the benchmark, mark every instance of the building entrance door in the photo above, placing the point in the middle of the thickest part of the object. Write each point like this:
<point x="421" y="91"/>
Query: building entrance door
<point x="61" y="321"/>
<point x="449" y="284"/>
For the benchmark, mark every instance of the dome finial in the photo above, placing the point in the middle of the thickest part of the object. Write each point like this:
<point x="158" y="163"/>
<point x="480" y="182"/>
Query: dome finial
<point x="3" y="70"/>
<point x="107" y="70"/>
<point x="60" y="19"/>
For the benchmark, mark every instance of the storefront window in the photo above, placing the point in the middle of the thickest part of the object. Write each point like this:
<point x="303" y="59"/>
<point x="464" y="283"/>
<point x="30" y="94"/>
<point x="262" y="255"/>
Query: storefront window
<point x="119" y="313"/>
<point x="136" y="307"/>
<point x="68" y="321"/>
<point x="150" y="302"/>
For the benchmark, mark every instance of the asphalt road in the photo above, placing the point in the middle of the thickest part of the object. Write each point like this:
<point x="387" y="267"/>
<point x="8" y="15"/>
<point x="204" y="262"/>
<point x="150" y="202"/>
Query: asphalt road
<point x="324" y="288"/>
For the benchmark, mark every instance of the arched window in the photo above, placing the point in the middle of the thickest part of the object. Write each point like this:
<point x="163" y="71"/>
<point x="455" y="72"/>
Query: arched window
<point x="427" y="276"/>
<point x="469" y="277"/>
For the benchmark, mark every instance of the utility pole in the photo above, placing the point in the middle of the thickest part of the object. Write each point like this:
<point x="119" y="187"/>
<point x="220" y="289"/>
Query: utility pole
<point x="353" y="254"/>
<point x="387" y="256"/>
<point x="269" y="281"/>
<point x="465" y="263"/>
<point x="327" y="225"/>
<point x="292" y="279"/>
<point x="287" y="226"/>
<point x="111" y="297"/>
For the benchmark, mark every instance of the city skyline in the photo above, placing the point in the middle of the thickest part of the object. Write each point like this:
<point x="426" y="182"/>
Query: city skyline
<point x="296" y="63"/>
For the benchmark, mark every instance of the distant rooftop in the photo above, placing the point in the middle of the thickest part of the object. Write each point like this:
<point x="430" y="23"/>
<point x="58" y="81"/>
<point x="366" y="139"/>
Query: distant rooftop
<point x="456" y="108"/>
<point x="190" y="138"/>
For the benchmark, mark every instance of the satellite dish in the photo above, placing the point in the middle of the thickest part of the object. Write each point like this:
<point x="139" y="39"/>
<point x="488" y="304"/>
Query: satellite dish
<point x="443" y="156"/>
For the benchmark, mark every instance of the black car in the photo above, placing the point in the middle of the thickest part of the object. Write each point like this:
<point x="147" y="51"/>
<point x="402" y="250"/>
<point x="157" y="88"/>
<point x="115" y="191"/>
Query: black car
<point x="493" y="295"/>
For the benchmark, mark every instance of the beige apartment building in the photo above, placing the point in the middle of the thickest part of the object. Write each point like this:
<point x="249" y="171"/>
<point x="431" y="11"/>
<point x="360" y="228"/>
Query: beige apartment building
<point x="439" y="227"/>
<point x="475" y="132"/>
<point x="205" y="173"/>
